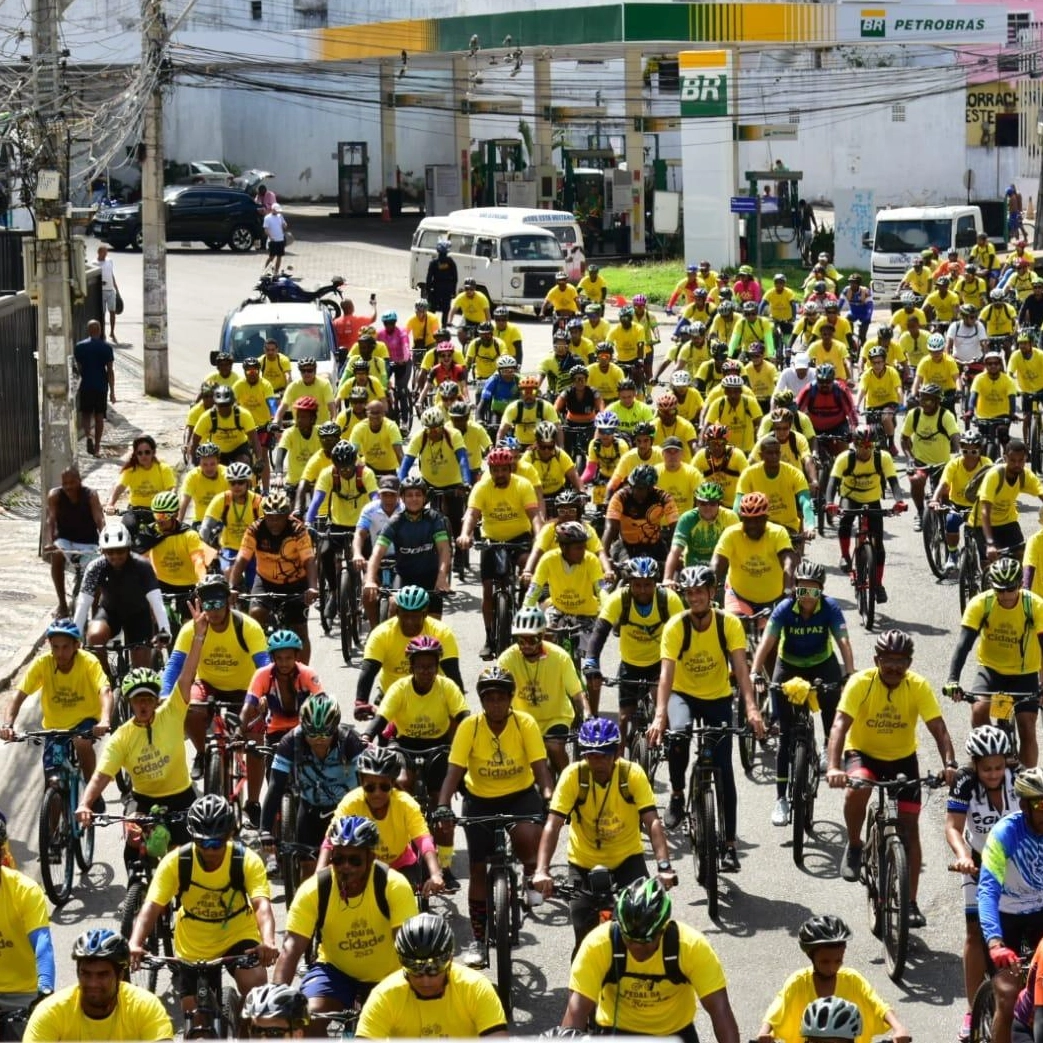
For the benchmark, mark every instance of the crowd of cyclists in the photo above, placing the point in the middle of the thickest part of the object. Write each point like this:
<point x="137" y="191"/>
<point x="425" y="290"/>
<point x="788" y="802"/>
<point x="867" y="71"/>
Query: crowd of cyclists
<point x="667" y="499"/>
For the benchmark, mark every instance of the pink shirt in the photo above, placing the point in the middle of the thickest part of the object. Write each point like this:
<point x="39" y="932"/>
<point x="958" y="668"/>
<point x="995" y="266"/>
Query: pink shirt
<point x="397" y="343"/>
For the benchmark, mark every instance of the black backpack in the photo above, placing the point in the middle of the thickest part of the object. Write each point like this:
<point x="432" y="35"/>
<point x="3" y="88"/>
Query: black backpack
<point x="235" y="415"/>
<point x="236" y="879"/>
<point x="324" y="880"/>
<point x="627" y="600"/>
<point x="623" y="782"/>
<point x="686" y="622"/>
<point x="671" y="958"/>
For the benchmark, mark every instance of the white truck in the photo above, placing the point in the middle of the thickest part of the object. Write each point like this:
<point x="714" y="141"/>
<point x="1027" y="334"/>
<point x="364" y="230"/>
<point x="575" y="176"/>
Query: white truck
<point x="901" y="233"/>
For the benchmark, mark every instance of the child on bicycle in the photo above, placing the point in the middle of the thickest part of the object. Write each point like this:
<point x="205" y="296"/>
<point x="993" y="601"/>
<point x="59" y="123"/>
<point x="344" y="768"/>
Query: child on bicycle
<point x="823" y="939"/>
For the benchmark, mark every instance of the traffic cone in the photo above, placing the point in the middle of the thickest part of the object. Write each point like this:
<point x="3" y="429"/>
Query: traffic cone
<point x="385" y="213"/>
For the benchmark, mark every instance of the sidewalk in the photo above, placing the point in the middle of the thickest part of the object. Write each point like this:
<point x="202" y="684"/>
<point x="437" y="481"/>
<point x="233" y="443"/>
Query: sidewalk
<point x="27" y="598"/>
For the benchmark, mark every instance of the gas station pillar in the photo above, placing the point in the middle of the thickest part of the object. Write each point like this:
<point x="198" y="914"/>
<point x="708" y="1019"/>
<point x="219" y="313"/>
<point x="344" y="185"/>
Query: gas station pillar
<point x="635" y="146"/>
<point x="461" y="129"/>
<point x="543" y="128"/>
<point x="388" y="152"/>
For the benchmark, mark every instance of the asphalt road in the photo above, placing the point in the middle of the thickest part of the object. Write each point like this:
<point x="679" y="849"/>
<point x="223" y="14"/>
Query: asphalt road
<point x="763" y="905"/>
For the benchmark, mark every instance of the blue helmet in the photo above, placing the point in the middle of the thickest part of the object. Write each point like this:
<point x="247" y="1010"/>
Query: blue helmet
<point x="64" y="628"/>
<point x="599" y="735"/>
<point x="102" y="944"/>
<point x="284" y="639"/>
<point x="643" y="568"/>
<point x="353" y="831"/>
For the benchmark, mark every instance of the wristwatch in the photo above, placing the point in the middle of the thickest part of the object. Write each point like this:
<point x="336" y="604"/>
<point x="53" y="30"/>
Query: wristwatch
<point x="664" y="866"/>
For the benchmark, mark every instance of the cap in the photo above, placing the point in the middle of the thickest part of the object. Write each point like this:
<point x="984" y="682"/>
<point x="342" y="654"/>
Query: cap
<point x="276" y="208"/>
<point x="801" y="360"/>
<point x="673" y="442"/>
<point x="389" y="481"/>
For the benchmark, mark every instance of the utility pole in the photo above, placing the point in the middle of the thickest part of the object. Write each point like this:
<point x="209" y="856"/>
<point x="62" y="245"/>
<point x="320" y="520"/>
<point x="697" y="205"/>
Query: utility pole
<point x="153" y="213"/>
<point x="51" y="275"/>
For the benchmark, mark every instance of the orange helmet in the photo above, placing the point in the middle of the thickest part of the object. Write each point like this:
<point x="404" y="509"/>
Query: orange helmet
<point x="753" y="505"/>
<point x="529" y="381"/>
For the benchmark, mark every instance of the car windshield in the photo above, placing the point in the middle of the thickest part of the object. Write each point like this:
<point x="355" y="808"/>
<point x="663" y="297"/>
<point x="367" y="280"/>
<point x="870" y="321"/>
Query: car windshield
<point x="295" y="340"/>
<point x="563" y="233"/>
<point x="913" y="235"/>
<point x="530" y="248"/>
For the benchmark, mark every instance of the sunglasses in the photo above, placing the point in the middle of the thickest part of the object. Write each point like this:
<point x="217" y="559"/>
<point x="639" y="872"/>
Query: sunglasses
<point x="211" y="843"/>
<point x="430" y="969"/>
<point x="268" y="1032"/>
<point x="372" y="787"/>
<point x="355" y="861"/>
<point x="807" y="592"/>
<point x="164" y="514"/>
<point x="213" y="604"/>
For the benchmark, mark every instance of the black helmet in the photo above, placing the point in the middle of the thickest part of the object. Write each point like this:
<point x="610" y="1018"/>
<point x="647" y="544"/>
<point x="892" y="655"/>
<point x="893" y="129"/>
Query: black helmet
<point x="644" y="475"/>
<point x="211" y="818"/>
<point x="894" y="642"/>
<point x="213" y="586"/>
<point x="344" y="454"/>
<point x="495" y="677"/>
<point x="423" y="941"/>
<point x="643" y="909"/>
<point x="378" y="760"/>
<point x="102" y="944"/>
<point x="277" y="1001"/>
<point x="823" y="930"/>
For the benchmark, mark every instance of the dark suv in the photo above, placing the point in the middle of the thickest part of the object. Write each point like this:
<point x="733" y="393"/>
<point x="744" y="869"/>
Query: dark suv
<point x="210" y="214"/>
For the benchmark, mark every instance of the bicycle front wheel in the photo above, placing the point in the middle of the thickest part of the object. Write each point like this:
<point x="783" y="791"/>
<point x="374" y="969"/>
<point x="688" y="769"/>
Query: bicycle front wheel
<point x="639" y="751"/>
<point x="982" y="1010"/>
<point x="934" y="542"/>
<point x="803" y="802"/>
<point x="56" y="857"/>
<point x="213" y="772"/>
<point x="747" y="742"/>
<point x="231" y="1005"/>
<point x="347" y="612"/>
<point x="290" y="860"/>
<point x="501" y="934"/>
<point x="1035" y="441"/>
<point x="703" y="814"/>
<point x="143" y="978"/>
<point x="895" y="894"/>
<point x="502" y="622"/>
<point x="83" y="845"/>
<point x="865" y="584"/>
<point x="970" y="573"/>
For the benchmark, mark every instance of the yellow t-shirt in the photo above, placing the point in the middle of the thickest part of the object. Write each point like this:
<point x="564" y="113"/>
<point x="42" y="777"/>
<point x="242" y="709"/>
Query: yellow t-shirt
<point x="66" y="699"/>
<point x="356" y="936"/>
<point x="476" y="442"/>
<point x="498" y="765"/>
<point x="689" y="407"/>
<point x="723" y="326"/>
<point x="374" y="388"/>
<point x="780" y="304"/>
<point x="178" y="559"/>
<point x="483" y="357"/>
<point x="956" y="476"/>
<point x="504" y="511"/>
<point x="211" y="917"/>
<point x="1003" y="495"/>
<point x="680" y="484"/>
<point x="386" y="645"/>
<point x="474" y="309"/>
<point x="223" y="663"/>
<point x="941" y="370"/>
<point x="573" y="589"/>
<point x="427" y="363"/>
<point x="604" y="828"/>
<point x="138" y="1015"/>
<point x="547" y="539"/>
<point x="227" y="434"/>
<point x="762" y="381"/>
<point x="900" y="319"/>
<point x="23" y="909"/>
<point x="545" y="689"/>
<point x="255" y="398"/>
<point x="276" y="371"/>
<point x="154" y="758"/>
<point x="754" y="570"/>
<point x="999" y="319"/>
<point x="932" y="435"/>
<point x="320" y="389"/>
<point x="422" y="331"/>
<point x="594" y="289"/>
<point x="1027" y="372"/>
<point x="918" y="281"/>
<point x="645" y="1001"/>
<point x="836" y="355"/>
<point x="690" y="357"/>
<point x="427" y="716"/>
<point x="523" y="417"/>
<point x="551" y="472"/>
<point x="787" y="1009"/>
<point x="468" y="1008"/>
<point x="628" y="342"/>
<point x="631" y="459"/>
<point x="299" y="450"/>
<point x="702" y="669"/>
<point x="993" y="395"/>
<point x="864" y="484"/>
<point x="740" y="419"/>
<point x="344" y="505"/>
<point x="945" y="308"/>
<point x="607" y="455"/>
<point x="566" y="299"/>
<point x="882" y="389"/>
<point x="143" y="483"/>
<point x="884" y="720"/>
<point x="1034" y="559"/>
<point x="510" y="336"/>
<point x="377" y="448"/>
<point x="605" y="383"/>
<point x="1007" y="637"/>
<point x="201" y="490"/>
<point x="795" y="457"/>
<point x="913" y="349"/>
<point x="403" y="823"/>
<point x="598" y="332"/>
<point x="237" y="517"/>
<point x="639" y="637"/>
<point x="680" y="428"/>
<point x="971" y="291"/>
<point x="314" y="467"/>
<point x="782" y="492"/>
<point x="437" y="460"/>
<point x="984" y="257"/>
<point x="725" y="472"/>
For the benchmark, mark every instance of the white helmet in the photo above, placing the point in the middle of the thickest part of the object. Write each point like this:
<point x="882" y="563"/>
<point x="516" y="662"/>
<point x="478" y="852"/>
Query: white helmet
<point x="114" y="537"/>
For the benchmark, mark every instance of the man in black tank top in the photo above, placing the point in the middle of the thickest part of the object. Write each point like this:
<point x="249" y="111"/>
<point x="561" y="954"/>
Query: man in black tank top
<point x="74" y="519"/>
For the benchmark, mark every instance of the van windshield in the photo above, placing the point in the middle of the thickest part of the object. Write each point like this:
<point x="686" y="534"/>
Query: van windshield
<point x="913" y="235"/>
<point x="563" y="233"/>
<point x="530" y="248"/>
<point x="295" y="340"/>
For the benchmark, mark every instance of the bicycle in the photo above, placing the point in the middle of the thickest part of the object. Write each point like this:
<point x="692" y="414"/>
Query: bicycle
<point x="635" y="739"/>
<point x="340" y="595"/>
<point x="577" y="437"/>
<point x="600" y="891"/>
<point x="885" y="871"/>
<point x="224" y="757"/>
<point x="566" y="632"/>
<point x="703" y="806"/>
<point x="983" y="1007"/>
<point x="1001" y="711"/>
<point x="1034" y="434"/>
<point x="934" y="545"/>
<point x="278" y="606"/>
<point x="864" y="570"/>
<point x="505" y="594"/>
<point x="504" y="906"/>
<point x="994" y="432"/>
<point x="63" y="841"/>
<point x="217" y="1009"/>
<point x="972" y="574"/>
<point x="827" y="448"/>
<point x="78" y="560"/>
<point x="421" y="765"/>
<point x="748" y="742"/>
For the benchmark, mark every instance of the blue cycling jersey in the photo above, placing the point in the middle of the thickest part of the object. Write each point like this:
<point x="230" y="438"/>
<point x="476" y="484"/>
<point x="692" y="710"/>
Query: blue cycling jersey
<point x="1011" y="879"/>
<point x="807" y="642"/>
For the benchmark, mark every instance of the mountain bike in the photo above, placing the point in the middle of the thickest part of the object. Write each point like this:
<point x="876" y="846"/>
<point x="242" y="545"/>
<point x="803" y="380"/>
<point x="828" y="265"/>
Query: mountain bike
<point x="635" y="739"/>
<point x="504" y="904"/>
<point x="340" y="594"/>
<point x="827" y="448"/>
<point x="577" y="438"/>
<point x="972" y="574"/>
<point x="505" y="593"/>
<point x="994" y="432"/>
<point x="1034" y="430"/>
<point x="748" y="742"/>
<point x="864" y="559"/>
<point x="885" y="871"/>
<point x="64" y="843"/>
<point x="934" y="545"/>
<point x="224" y="757"/>
<point x="1001" y="712"/>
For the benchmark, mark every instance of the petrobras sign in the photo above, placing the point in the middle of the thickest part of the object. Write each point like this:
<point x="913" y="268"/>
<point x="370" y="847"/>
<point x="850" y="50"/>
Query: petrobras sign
<point x="936" y="23"/>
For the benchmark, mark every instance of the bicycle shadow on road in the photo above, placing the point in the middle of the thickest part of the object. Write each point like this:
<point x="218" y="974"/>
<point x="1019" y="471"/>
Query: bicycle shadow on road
<point x="741" y="914"/>
<point x="95" y="893"/>
<point x="931" y="976"/>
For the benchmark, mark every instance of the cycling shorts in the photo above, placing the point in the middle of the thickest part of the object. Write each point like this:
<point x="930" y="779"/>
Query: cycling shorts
<point x="188" y="977"/>
<point x="492" y="561"/>
<point x="862" y="766"/>
<point x="137" y="628"/>
<point x="1026" y="685"/>
<point x="630" y="692"/>
<point x="323" y="980"/>
<point x="480" y="839"/>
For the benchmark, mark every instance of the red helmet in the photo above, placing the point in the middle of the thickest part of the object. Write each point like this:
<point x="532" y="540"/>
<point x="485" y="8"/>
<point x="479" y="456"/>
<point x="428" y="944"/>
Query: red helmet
<point x="753" y="505"/>
<point x="500" y="458"/>
<point x="307" y="402"/>
<point x="715" y="432"/>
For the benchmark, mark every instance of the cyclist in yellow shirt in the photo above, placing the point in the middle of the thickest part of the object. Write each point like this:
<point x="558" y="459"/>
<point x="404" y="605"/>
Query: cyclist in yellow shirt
<point x="670" y="424"/>
<point x="439" y="453"/>
<point x="255" y="393"/>
<point x="993" y="393"/>
<point x="739" y="413"/>
<point x="471" y="304"/>
<point x="917" y="279"/>
<point x="780" y="304"/>
<point x="952" y="491"/>
<point x="983" y="254"/>
<point x="724" y="322"/>
<point x="421" y="326"/>
<point x="482" y="352"/>
<point x="999" y="318"/>
<point x="874" y="734"/>
<point x="912" y="345"/>
<point x="880" y="388"/>
<point x="603" y="375"/>
<point x="971" y="288"/>
<point x="760" y="375"/>
<point x="938" y="367"/>
<point x="572" y="576"/>
<point x="900" y="319"/>
<point x="699" y="310"/>
<point x="275" y="366"/>
<point x="379" y="440"/>
<point x="553" y="466"/>
<point x="830" y="350"/>
<point x="309" y="383"/>
<point x="230" y="514"/>
<point x="1025" y="366"/>
<point x="201" y="484"/>
<point x="633" y="354"/>
<point x="996" y="511"/>
<point x="790" y="503"/>
<point x="507" y="333"/>
<point x="329" y="435"/>
<point x="719" y="461"/>
<point x="930" y="435"/>
<point x="593" y="286"/>
<point x="562" y="298"/>
<point x="525" y="414"/>
<point x="686" y="287"/>
<point x="175" y="551"/>
<point x="942" y="305"/>
<point x="595" y="325"/>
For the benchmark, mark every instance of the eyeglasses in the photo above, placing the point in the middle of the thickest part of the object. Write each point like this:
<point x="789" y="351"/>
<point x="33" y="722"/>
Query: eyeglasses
<point x="268" y="1032"/>
<point x="430" y="969"/>
<point x="164" y="515"/>
<point x="970" y="451"/>
<point x="210" y="843"/>
<point x="355" y="861"/>
<point x="372" y="787"/>
<point x="807" y="592"/>
<point x="213" y="604"/>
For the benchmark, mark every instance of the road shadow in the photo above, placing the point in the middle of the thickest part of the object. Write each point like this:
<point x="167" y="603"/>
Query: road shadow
<point x="931" y="976"/>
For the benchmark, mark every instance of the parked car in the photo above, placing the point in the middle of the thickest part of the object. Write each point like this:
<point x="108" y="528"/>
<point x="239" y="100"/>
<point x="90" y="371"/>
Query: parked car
<point x="208" y="172"/>
<point x="301" y="331"/>
<point x="248" y="180"/>
<point x="210" y="214"/>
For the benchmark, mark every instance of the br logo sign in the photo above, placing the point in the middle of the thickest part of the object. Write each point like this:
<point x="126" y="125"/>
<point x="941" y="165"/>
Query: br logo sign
<point x="704" y="94"/>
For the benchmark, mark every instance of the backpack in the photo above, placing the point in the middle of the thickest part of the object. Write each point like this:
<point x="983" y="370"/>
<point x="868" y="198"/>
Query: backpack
<point x="1026" y="606"/>
<point x="584" y="783"/>
<point x="235" y="416"/>
<point x="627" y="599"/>
<point x="686" y="623"/>
<point x="236" y="878"/>
<point x="256" y="497"/>
<point x="324" y="879"/>
<point x="974" y="485"/>
<point x="671" y="958"/>
<point x="852" y="461"/>
<point x="359" y="490"/>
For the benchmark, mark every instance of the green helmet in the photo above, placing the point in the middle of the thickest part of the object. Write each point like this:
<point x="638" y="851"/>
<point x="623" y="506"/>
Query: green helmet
<point x="141" y="681"/>
<point x="643" y="910"/>
<point x="320" y="716"/>
<point x="165" y="502"/>
<point x="412" y="599"/>
<point x="709" y="492"/>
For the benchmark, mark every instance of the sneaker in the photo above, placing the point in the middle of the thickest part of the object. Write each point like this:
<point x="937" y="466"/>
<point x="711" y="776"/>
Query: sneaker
<point x="918" y="523"/>
<point x="452" y="885"/>
<point x="916" y="918"/>
<point x="965" y="1028"/>
<point x="486" y="651"/>
<point x="197" y="767"/>
<point x="474" y="956"/>
<point x="253" y="814"/>
<point x="674" y="812"/>
<point x="952" y="564"/>
<point x="729" y="860"/>
<point x="881" y="595"/>
<point x="90" y="446"/>
<point x="780" y="816"/>
<point x="98" y="807"/>
<point x="852" y="863"/>
<point x="271" y="865"/>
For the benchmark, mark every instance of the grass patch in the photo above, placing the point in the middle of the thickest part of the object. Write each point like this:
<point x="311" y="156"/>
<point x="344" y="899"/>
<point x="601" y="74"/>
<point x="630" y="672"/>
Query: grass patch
<point x="657" y="279"/>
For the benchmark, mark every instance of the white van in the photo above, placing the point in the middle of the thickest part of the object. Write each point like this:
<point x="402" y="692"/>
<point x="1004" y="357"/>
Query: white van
<point x="562" y="223"/>
<point x="513" y="263"/>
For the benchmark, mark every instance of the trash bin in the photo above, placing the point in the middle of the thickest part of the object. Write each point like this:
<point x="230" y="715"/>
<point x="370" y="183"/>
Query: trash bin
<point x="394" y="198"/>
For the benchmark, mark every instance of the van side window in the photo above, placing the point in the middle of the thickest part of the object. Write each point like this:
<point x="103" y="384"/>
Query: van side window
<point x="461" y="243"/>
<point x="485" y="248"/>
<point x="965" y="227"/>
<point x="429" y="238"/>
